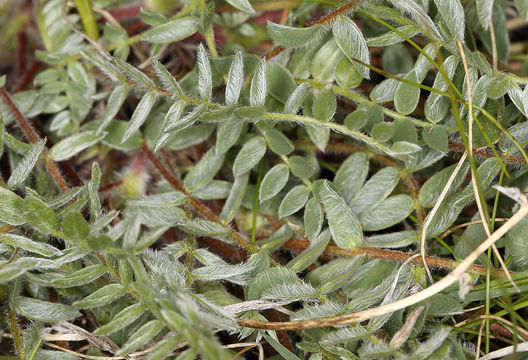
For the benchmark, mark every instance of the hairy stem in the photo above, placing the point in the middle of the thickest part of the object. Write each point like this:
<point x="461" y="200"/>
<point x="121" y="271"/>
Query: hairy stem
<point x="84" y="7"/>
<point x="15" y="329"/>
<point x="197" y="204"/>
<point x="33" y="137"/>
<point x="392" y="255"/>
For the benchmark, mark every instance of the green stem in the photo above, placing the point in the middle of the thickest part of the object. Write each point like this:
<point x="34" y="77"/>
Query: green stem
<point x="256" y="203"/>
<point x="190" y="259"/>
<point x="471" y="160"/>
<point x="488" y="267"/>
<point x="13" y="324"/>
<point x="209" y="37"/>
<point x="358" y="98"/>
<point x="417" y="47"/>
<point x="452" y="97"/>
<point x="84" y="7"/>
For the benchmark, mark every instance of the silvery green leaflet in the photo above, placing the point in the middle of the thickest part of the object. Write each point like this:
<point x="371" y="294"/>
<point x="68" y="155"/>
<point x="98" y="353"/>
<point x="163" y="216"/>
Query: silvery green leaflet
<point x="199" y="181"/>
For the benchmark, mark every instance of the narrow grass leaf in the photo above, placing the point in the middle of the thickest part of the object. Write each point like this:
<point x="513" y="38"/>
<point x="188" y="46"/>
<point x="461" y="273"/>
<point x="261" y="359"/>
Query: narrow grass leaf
<point x="285" y="353"/>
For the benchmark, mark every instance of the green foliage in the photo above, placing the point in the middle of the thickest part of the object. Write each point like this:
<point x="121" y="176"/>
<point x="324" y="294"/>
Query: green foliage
<point x="174" y="189"/>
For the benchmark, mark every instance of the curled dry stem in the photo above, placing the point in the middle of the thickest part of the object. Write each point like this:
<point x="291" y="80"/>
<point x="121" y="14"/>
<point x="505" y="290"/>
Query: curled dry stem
<point x="473" y="175"/>
<point x="435" y="288"/>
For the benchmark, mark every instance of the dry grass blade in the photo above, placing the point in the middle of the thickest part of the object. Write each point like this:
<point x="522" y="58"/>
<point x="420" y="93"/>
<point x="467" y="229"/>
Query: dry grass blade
<point x="403" y="334"/>
<point x="248" y="346"/>
<point x="459" y="226"/>
<point x="521" y="330"/>
<point x="473" y="178"/>
<point x="429" y="218"/>
<point x="522" y="347"/>
<point x="437" y="287"/>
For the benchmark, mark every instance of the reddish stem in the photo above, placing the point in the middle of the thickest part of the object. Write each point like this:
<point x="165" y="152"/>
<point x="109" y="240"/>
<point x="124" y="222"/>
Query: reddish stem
<point x="487" y="153"/>
<point x="393" y="255"/>
<point x="28" y="76"/>
<point x="33" y="137"/>
<point x="197" y="204"/>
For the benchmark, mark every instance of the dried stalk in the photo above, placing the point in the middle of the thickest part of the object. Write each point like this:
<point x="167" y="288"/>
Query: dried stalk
<point x="435" y="288"/>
